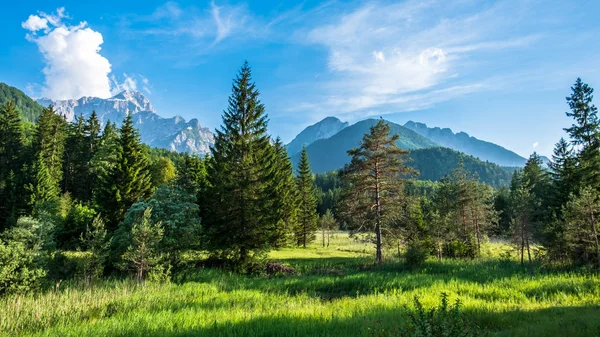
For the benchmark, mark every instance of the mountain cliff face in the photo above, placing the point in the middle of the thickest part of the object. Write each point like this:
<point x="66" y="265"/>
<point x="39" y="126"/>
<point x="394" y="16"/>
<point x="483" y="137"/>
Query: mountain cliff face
<point x="170" y="133"/>
<point x="321" y="130"/>
<point x="462" y="142"/>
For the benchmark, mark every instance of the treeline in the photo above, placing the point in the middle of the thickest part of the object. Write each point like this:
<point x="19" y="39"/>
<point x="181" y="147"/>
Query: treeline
<point x="85" y="200"/>
<point x="549" y="213"/>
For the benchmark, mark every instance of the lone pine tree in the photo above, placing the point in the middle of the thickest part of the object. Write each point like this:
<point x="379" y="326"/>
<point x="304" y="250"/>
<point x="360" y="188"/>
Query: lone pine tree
<point x="376" y="175"/>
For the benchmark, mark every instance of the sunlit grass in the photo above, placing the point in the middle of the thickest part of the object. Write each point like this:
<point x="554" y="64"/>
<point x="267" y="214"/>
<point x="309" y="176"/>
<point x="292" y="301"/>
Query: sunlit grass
<point x="338" y="292"/>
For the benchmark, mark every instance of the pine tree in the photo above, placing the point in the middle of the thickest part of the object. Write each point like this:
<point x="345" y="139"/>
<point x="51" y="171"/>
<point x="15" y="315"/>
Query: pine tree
<point x="307" y="202"/>
<point x="142" y="254"/>
<point x="581" y="214"/>
<point x="50" y="143"/>
<point x="75" y="179"/>
<point x="12" y="140"/>
<point x="127" y="179"/>
<point x="286" y="198"/>
<point x="375" y="173"/>
<point x="43" y="187"/>
<point x="241" y="223"/>
<point x="585" y="132"/>
<point x="95" y="241"/>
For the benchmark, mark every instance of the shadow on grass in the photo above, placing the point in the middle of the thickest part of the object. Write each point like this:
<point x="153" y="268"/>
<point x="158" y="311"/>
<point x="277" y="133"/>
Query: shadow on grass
<point x="559" y="321"/>
<point x="348" y="277"/>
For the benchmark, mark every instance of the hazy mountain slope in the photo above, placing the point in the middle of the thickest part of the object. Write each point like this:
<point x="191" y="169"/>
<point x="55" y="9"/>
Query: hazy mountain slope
<point x="331" y="153"/>
<point x="462" y="142"/>
<point x="30" y="109"/>
<point x="170" y="133"/>
<point x="321" y="130"/>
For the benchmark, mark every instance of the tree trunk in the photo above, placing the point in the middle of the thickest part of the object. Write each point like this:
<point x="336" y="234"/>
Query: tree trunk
<point x="379" y="256"/>
<point x="529" y="256"/>
<point x="522" y="240"/>
<point x="323" y="236"/>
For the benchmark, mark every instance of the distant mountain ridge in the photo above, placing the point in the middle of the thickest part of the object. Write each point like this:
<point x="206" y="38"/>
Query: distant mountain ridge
<point x="170" y="133"/>
<point x="321" y="130"/>
<point x="463" y="142"/>
<point x="330" y="153"/>
<point x="427" y="156"/>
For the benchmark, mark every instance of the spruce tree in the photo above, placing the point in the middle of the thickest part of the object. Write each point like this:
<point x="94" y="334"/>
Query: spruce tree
<point x="127" y="177"/>
<point x="75" y="179"/>
<point x="286" y="196"/>
<point x="12" y="140"/>
<point x="581" y="214"/>
<point x="241" y="222"/>
<point x="307" y="202"/>
<point x="50" y="143"/>
<point x="585" y="133"/>
<point x="376" y="173"/>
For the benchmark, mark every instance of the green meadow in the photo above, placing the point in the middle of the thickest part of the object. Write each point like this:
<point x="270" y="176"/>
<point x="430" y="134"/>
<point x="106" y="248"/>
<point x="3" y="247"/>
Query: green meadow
<point x="336" y="291"/>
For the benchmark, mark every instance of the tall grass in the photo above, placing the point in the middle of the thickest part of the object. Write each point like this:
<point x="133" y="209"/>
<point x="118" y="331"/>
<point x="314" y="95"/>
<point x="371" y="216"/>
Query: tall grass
<point x="338" y="291"/>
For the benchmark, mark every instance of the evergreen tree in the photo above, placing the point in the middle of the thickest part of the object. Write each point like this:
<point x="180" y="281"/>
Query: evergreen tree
<point x="375" y="175"/>
<point x="585" y="132"/>
<point x="286" y="199"/>
<point x="307" y="202"/>
<point x="12" y="140"/>
<point x="142" y="254"/>
<point x="581" y="214"/>
<point x="95" y="241"/>
<point x="241" y="222"/>
<point x="43" y="186"/>
<point x="128" y="180"/>
<point x="75" y="179"/>
<point x="50" y="143"/>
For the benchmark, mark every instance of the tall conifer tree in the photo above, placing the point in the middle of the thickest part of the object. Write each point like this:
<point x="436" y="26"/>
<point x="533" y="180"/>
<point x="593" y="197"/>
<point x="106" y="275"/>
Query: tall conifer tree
<point x="128" y="180"/>
<point x="241" y="221"/>
<point x="307" y="217"/>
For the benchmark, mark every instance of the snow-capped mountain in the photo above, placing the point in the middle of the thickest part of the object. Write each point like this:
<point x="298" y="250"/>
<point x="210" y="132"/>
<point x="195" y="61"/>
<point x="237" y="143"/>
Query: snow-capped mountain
<point x="170" y="133"/>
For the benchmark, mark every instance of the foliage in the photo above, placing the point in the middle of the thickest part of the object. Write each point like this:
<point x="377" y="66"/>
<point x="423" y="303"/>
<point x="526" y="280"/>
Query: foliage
<point x="307" y="207"/>
<point x="176" y="209"/>
<point x="142" y="255"/>
<point x="581" y="232"/>
<point x="241" y="222"/>
<point x="22" y="256"/>
<point x="443" y="321"/>
<point x="29" y="109"/>
<point x="374" y="182"/>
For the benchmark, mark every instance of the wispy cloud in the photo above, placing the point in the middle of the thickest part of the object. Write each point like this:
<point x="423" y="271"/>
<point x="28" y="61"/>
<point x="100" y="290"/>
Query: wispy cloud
<point x="389" y="57"/>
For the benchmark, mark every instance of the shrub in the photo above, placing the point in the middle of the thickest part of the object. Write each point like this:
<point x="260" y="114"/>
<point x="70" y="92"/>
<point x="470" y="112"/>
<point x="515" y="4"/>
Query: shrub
<point x="19" y="268"/>
<point x="416" y="254"/>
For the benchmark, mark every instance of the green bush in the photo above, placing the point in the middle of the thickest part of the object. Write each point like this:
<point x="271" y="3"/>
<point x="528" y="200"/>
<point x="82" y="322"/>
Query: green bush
<point x="22" y="258"/>
<point x="416" y="254"/>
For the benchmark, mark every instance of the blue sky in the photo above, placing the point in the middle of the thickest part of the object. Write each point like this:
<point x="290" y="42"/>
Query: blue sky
<point x="498" y="70"/>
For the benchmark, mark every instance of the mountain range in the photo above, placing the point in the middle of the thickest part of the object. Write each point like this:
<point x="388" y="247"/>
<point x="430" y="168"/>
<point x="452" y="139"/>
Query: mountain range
<point x="434" y="151"/>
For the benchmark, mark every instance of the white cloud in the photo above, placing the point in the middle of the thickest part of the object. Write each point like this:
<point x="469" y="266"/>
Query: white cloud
<point x="35" y="23"/>
<point x="535" y="144"/>
<point x="74" y="66"/>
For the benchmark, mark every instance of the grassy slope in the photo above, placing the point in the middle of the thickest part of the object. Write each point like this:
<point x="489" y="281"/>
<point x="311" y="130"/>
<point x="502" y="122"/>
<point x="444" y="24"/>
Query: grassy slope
<point x="339" y="293"/>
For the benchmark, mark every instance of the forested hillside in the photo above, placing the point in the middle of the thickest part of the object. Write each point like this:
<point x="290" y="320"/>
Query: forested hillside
<point x="30" y="109"/>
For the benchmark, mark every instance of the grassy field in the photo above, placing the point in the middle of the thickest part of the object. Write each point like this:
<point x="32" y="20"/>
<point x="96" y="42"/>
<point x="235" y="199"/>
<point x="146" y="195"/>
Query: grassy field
<point x="337" y="292"/>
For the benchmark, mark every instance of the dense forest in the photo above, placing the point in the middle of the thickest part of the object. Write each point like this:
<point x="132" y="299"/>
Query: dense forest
<point x="128" y="209"/>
